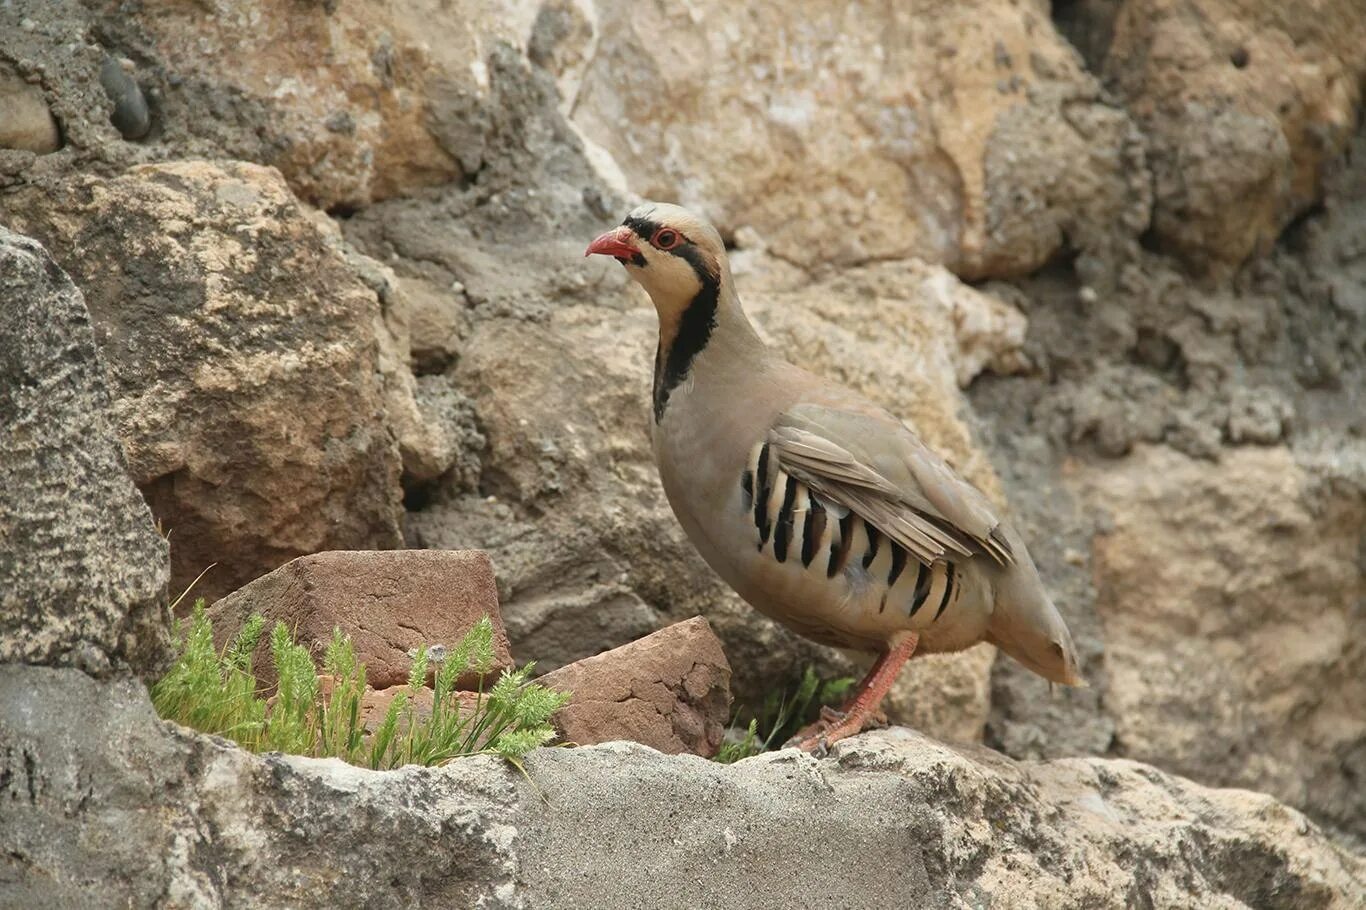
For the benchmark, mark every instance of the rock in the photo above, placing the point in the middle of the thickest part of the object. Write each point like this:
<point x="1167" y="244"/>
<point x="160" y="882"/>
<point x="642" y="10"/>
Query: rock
<point x="438" y="325"/>
<point x="389" y="602"/>
<point x="1270" y="359"/>
<point x="1243" y="106"/>
<point x="669" y="690"/>
<point x="343" y="133"/>
<point x="1235" y="645"/>
<point x="82" y="570"/>
<point x="109" y="770"/>
<point x="561" y="407"/>
<point x="26" y="123"/>
<point x="375" y="704"/>
<point x="130" y="115"/>
<point x="353" y="103"/>
<point x="107" y="807"/>
<point x="449" y="440"/>
<point x="431" y="418"/>
<point x="427" y="442"/>
<point x="969" y="135"/>
<point x="896" y="818"/>
<point x="242" y="355"/>
<point x="402" y="101"/>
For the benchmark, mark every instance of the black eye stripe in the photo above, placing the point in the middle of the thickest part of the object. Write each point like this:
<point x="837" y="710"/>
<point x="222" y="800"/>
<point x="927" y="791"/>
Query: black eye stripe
<point x="703" y="265"/>
<point x="644" y="228"/>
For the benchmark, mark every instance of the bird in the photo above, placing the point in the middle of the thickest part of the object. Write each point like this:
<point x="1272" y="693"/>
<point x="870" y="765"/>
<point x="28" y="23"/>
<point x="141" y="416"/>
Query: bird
<point x="821" y="509"/>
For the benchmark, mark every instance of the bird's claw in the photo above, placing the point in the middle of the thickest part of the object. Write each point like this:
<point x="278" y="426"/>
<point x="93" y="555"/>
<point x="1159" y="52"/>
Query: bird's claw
<point x="812" y="737"/>
<point x="832" y="727"/>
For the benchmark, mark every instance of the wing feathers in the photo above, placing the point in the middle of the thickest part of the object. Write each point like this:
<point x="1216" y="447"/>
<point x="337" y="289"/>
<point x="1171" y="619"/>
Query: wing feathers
<point x="923" y="506"/>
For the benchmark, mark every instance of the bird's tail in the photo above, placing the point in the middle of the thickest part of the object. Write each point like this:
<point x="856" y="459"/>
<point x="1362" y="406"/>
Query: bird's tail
<point x="1026" y="625"/>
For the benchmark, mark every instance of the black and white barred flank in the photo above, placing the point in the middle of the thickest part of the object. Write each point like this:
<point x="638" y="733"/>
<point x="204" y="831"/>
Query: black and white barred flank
<point x="792" y="523"/>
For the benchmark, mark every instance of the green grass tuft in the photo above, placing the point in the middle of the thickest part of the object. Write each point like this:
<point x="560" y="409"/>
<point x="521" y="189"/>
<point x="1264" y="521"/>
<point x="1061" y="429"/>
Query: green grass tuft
<point x="218" y="693"/>
<point x="784" y="713"/>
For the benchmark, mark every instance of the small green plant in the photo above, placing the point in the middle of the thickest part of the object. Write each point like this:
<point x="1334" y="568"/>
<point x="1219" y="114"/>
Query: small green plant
<point x="784" y="713"/>
<point x="218" y="693"/>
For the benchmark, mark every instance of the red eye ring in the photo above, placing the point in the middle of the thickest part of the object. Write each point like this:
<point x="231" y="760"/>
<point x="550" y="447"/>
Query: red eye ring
<point x="666" y="239"/>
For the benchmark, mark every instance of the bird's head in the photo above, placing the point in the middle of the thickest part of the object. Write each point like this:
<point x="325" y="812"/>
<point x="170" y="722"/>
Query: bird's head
<point x="670" y="252"/>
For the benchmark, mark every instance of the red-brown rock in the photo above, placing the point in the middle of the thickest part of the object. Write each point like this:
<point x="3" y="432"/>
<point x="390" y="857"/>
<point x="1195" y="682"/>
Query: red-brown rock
<point x="389" y="602"/>
<point x="374" y="704"/>
<point x="669" y="690"/>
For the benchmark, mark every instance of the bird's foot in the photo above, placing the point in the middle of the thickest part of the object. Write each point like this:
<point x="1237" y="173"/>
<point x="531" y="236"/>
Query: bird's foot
<point x="833" y="726"/>
<point x="829" y="717"/>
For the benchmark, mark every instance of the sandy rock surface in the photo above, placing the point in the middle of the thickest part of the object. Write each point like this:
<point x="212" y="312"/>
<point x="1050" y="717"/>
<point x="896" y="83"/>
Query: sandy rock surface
<point x="1106" y="254"/>
<point x="1230" y="596"/>
<point x="969" y="135"/>
<point x="889" y="817"/>
<point x="1244" y="106"/>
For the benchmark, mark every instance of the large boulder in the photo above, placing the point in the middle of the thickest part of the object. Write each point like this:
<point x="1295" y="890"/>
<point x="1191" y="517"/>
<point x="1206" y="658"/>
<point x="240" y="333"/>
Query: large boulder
<point x="968" y="134"/>
<point x="108" y="807"/>
<point x="1243" y="104"/>
<point x="82" y="569"/>
<point x="1231" y="597"/>
<point x="242" y="350"/>
<point x="1258" y="381"/>
<point x="352" y="102"/>
<point x="347" y="95"/>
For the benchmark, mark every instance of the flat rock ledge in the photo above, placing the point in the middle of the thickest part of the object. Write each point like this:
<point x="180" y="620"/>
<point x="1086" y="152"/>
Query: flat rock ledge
<point x="104" y="805"/>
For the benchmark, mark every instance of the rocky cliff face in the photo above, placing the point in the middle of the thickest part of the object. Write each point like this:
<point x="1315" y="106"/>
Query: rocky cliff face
<point x="1106" y="253"/>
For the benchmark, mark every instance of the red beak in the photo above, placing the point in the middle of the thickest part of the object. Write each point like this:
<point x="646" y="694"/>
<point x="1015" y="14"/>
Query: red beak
<point x="615" y="243"/>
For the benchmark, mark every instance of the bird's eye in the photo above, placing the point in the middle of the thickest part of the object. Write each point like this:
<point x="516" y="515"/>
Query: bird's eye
<point x="665" y="239"/>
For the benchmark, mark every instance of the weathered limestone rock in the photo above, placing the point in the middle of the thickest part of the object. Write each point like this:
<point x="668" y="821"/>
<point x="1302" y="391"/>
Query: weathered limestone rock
<point x="99" y="814"/>
<point x="1243" y="104"/>
<point x="968" y="134"/>
<point x="241" y="350"/>
<point x="361" y="101"/>
<point x="669" y="691"/>
<point x="389" y="602"/>
<point x="438" y="322"/>
<point x="82" y="570"/>
<point x="451" y="441"/>
<point x="107" y="807"/>
<point x="1235" y="643"/>
<point x="26" y="123"/>
<point x="430" y="419"/>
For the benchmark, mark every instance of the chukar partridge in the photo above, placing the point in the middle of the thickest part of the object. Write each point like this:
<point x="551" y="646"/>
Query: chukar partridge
<point x="823" y="510"/>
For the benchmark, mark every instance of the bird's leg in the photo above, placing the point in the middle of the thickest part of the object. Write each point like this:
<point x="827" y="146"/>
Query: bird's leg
<point x="863" y="705"/>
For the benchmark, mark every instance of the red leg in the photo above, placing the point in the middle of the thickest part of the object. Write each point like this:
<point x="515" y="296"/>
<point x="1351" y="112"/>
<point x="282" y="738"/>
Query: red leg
<point x="867" y="697"/>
